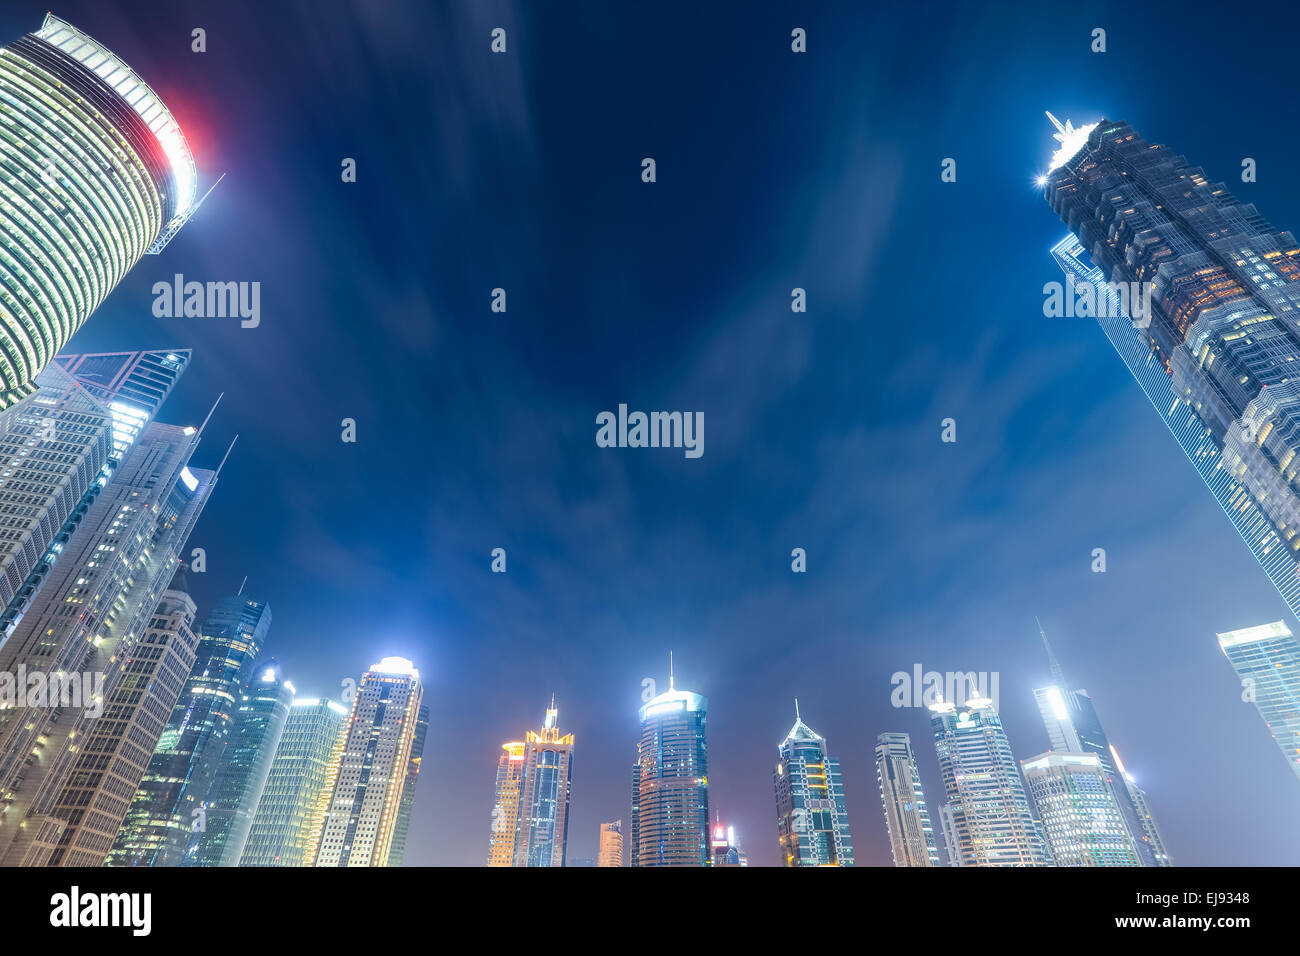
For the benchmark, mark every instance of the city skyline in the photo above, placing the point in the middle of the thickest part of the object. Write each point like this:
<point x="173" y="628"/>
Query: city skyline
<point x="475" y="428"/>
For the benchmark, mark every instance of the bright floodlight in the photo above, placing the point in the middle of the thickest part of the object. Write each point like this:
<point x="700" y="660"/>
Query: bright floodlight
<point x="1072" y="140"/>
<point x="395" y="665"/>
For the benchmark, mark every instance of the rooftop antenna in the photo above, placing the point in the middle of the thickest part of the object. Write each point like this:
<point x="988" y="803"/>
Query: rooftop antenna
<point x="169" y="233"/>
<point x="1057" y="123"/>
<point x="670" y="670"/>
<point x="226" y="455"/>
<point x="210" y="411"/>
<point x="241" y="586"/>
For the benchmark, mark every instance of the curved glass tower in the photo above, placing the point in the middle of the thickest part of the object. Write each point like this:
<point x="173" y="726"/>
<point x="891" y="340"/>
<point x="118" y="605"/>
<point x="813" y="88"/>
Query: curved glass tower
<point x="94" y="173"/>
<point x="672" y="823"/>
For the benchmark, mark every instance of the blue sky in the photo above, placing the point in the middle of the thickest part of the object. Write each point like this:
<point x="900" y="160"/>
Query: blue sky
<point x="476" y="429"/>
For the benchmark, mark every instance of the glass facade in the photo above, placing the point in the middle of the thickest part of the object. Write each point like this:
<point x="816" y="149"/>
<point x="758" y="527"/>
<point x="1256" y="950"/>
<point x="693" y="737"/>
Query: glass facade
<point x="53" y="449"/>
<point x="634" y="820"/>
<point x="60" y="421"/>
<point x="542" y="830"/>
<point x="1214" y="355"/>
<point x="169" y="806"/>
<point x="245" y="765"/>
<point x="290" y="809"/>
<point x="672" y="816"/>
<point x="397" y="854"/>
<point x="1073" y="727"/>
<point x="987" y="820"/>
<point x="1078" y="812"/>
<point x="1267" y="659"/>
<point x="97" y="174"/>
<point x="812" y="820"/>
<point x="907" y="819"/>
<point x="88" y="617"/>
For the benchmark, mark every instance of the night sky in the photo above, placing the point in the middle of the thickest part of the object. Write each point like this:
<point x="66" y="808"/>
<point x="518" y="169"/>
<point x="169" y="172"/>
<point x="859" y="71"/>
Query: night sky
<point x="775" y="170"/>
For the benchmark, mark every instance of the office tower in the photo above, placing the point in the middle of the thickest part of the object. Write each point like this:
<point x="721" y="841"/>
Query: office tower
<point x="542" y="831"/>
<point x="812" y="821"/>
<point x="398" y="851"/>
<point x="634" y="828"/>
<point x="672" y="816"/>
<point x="986" y="821"/>
<point x="505" y="809"/>
<point x="1267" y="659"/>
<point x="54" y="449"/>
<point x="131" y="385"/>
<point x="1078" y="811"/>
<point x="610" y="852"/>
<point x="907" y="820"/>
<point x="367" y="796"/>
<point x="1073" y="727"/>
<point x="326" y="794"/>
<point x="1147" y="822"/>
<point x="112" y="760"/>
<point x="724" y="848"/>
<point x="114" y="393"/>
<point x="167" y="809"/>
<point x="89" y="617"/>
<point x="1214" y="352"/>
<point x="290" y="809"/>
<point x="245" y="765"/>
<point x="98" y="173"/>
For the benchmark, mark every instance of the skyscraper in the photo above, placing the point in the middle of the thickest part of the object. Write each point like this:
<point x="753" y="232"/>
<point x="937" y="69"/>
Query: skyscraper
<point x="1073" y="727"/>
<point x="610" y="852"/>
<point x="634" y="821"/>
<point x="290" y="810"/>
<point x="56" y="446"/>
<point x="987" y="820"/>
<point x="812" y="820"/>
<point x="542" y="831"/>
<point x="1267" y="659"/>
<point x="52" y="443"/>
<point x="1214" y="350"/>
<point x="397" y="853"/>
<point x="672" y="817"/>
<point x="167" y="809"/>
<point x="237" y="788"/>
<point x="907" y="820"/>
<point x="1150" y="832"/>
<point x="372" y="774"/>
<point x="98" y="174"/>
<point x="724" y="847"/>
<point x="1078" y="811"/>
<point x="505" y="809"/>
<point x="89" y="616"/>
<point x="131" y="385"/>
<point x="112" y="761"/>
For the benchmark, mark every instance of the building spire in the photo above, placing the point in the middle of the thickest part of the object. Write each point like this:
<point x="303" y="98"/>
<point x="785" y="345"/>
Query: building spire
<point x="670" y="670"/>
<point x="796" y="709"/>
<point x="207" y="418"/>
<point x="1058" y="676"/>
